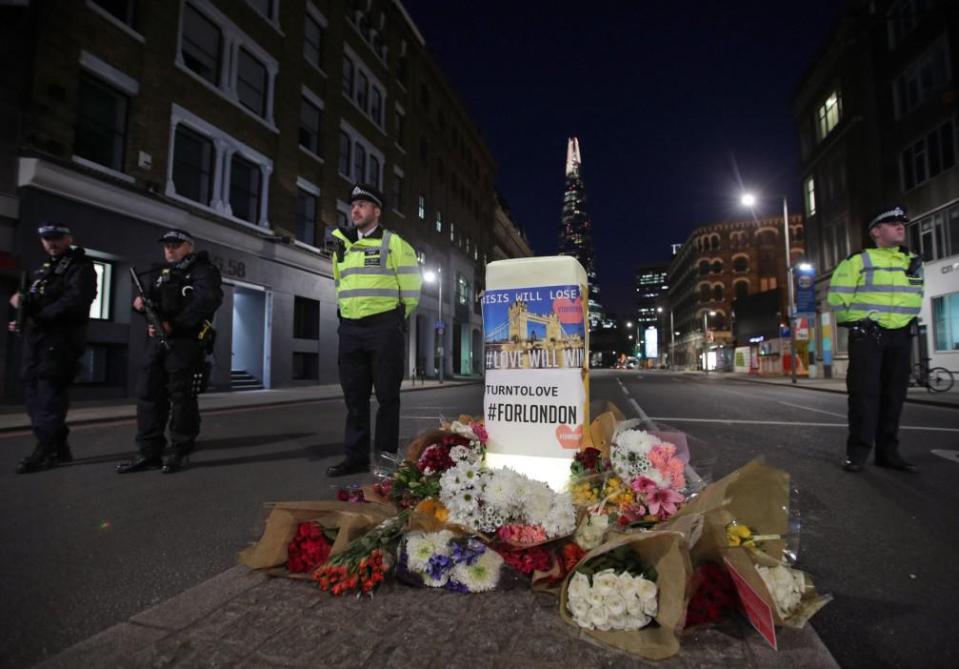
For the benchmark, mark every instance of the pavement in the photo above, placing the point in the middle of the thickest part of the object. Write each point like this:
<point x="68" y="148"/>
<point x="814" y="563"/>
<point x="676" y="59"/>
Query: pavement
<point x="245" y="619"/>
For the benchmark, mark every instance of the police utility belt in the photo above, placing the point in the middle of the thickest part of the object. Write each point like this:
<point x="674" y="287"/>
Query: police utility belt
<point x="868" y="327"/>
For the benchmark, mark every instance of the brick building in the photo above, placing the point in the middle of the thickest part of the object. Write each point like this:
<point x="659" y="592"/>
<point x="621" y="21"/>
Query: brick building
<point x="717" y="264"/>
<point x="244" y="122"/>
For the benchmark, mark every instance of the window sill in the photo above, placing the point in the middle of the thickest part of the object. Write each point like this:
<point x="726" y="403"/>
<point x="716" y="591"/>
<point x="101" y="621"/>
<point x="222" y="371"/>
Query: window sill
<point x="103" y="169"/>
<point x="399" y="213"/>
<point x="312" y="155"/>
<point x="264" y="230"/>
<point x="317" y="69"/>
<point x="110" y="18"/>
<point x="365" y="113"/>
<point x="236" y="103"/>
<point x="399" y="148"/>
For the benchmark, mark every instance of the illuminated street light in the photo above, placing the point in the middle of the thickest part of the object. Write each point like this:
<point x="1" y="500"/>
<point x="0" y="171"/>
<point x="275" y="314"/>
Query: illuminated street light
<point x="749" y="200"/>
<point x="429" y="276"/>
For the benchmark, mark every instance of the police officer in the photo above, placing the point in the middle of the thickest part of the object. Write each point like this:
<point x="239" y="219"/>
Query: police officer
<point x="877" y="294"/>
<point x="56" y="308"/>
<point x="378" y="283"/>
<point x="185" y="295"/>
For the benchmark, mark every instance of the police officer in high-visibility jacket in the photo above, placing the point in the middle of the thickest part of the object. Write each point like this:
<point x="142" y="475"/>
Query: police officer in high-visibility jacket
<point x="378" y="283"/>
<point x="877" y="294"/>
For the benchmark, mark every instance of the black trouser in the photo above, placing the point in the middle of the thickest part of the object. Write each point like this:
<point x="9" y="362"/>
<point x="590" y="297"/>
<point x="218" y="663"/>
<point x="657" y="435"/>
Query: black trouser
<point x="48" y="365"/>
<point x="371" y="356"/>
<point x="877" y="382"/>
<point x="165" y="392"/>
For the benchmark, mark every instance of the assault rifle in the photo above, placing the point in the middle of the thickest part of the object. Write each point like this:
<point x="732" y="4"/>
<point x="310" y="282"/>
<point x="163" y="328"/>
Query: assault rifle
<point x="22" y="304"/>
<point x="149" y="309"/>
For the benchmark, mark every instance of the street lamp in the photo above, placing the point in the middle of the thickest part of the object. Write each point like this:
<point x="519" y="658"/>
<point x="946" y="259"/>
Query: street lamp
<point x="429" y="276"/>
<point x="749" y="200"/>
<point x="706" y="315"/>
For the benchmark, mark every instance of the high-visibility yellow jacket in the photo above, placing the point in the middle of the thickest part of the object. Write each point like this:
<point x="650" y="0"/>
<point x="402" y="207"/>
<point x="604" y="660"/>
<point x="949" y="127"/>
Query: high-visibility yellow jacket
<point x="876" y="284"/>
<point x="375" y="274"/>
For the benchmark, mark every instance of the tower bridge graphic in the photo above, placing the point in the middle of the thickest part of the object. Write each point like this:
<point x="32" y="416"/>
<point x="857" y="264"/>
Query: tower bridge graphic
<point x="517" y="342"/>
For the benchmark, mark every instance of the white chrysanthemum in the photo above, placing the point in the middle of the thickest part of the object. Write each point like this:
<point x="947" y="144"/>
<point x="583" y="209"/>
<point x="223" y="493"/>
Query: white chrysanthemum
<point x="421" y="546"/>
<point x="491" y="519"/>
<point x="463" y="454"/>
<point x="537" y="502"/>
<point x="503" y="490"/>
<point x="637" y="441"/>
<point x="592" y="531"/>
<point x="482" y="575"/>
<point x="561" y="519"/>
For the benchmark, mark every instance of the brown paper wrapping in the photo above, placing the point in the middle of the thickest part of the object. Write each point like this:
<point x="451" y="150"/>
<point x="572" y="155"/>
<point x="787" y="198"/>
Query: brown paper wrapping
<point x="351" y="518"/>
<point x="668" y="553"/>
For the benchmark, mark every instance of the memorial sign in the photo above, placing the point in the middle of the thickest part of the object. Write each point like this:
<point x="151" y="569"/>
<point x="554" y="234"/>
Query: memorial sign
<point x="535" y="342"/>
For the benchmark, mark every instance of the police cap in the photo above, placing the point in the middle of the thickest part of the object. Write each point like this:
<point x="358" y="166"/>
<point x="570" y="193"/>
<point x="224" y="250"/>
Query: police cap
<point x="895" y="214"/>
<point x="175" y="236"/>
<point x="368" y="193"/>
<point x="49" y="230"/>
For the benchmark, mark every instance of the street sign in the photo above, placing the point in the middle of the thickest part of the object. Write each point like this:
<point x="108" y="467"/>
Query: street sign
<point x="440" y="325"/>
<point x="805" y="276"/>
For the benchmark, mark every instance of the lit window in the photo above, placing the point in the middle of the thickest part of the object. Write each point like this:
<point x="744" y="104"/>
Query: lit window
<point x="421" y="207"/>
<point x="810" y="197"/>
<point x="100" y="307"/>
<point x="439" y="221"/>
<point x="828" y="115"/>
<point x="945" y="322"/>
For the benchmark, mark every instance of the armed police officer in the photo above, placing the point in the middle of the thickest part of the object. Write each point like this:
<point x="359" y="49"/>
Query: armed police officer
<point x="378" y="283"/>
<point x="54" y="312"/>
<point x="877" y="294"/>
<point x="184" y="297"/>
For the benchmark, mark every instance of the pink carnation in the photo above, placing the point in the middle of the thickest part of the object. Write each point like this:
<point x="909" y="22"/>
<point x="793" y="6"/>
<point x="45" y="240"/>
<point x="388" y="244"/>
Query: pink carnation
<point x="660" y="454"/>
<point x="522" y="534"/>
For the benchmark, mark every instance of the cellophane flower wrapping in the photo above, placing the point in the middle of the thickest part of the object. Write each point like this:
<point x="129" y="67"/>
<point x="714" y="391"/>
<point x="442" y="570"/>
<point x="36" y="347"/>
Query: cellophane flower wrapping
<point x="444" y="560"/>
<point x="664" y="554"/>
<point x="362" y="565"/>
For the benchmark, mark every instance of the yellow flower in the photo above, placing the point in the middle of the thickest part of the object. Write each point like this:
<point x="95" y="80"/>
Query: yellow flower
<point x="435" y="508"/>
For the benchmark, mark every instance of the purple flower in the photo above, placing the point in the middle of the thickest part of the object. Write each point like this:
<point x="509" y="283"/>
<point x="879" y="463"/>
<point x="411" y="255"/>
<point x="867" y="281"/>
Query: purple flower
<point x="456" y="586"/>
<point x="438" y="565"/>
<point x="467" y="552"/>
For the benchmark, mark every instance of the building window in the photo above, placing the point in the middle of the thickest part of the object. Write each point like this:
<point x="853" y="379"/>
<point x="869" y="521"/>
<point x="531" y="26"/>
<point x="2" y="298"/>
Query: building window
<point x="452" y="232"/>
<point x="902" y="18"/>
<point x="265" y="8"/>
<point x="202" y="43"/>
<point x="742" y="289"/>
<point x="121" y="10"/>
<point x="345" y="144"/>
<point x="244" y="189"/>
<point x="945" y="322"/>
<point x="703" y="267"/>
<point x="741" y="264"/>
<point x="398" y="192"/>
<point x="928" y="156"/>
<point x="374" y="171"/>
<point x="193" y="165"/>
<point x="439" y="221"/>
<point x="306" y="217"/>
<point x="718" y="293"/>
<point x="101" y="124"/>
<point x="348" y="76"/>
<point x="306" y="318"/>
<point x="828" y="115"/>
<point x="313" y="40"/>
<point x="704" y="292"/>
<point x="376" y="106"/>
<point x="924" y="77"/>
<point x="362" y="91"/>
<point x="717" y="266"/>
<point x="400" y="128"/>
<point x="421" y="207"/>
<point x="306" y="366"/>
<point x="359" y="162"/>
<point x="463" y="293"/>
<point x="100" y="307"/>
<point x="936" y="236"/>
<point x="810" y="192"/>
<point x="309" y="126"/>
<point x="251" y="83"/>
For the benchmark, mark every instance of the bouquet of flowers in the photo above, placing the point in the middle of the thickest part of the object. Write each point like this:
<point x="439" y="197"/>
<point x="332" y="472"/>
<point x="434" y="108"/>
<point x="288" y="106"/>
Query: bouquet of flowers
<point x="612" y="600"/>
<point x="443" y="560"/>
<point x="518" y="509"/>
<point x="308" y="549"/>
<point x="362" y="565"/>
<point x="431" y="454"/>
<point x="714" y="595"/>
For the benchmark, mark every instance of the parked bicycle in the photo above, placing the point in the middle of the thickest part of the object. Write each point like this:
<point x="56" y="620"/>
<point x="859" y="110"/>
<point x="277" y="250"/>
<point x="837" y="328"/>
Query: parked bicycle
<point x="935" y="380"/>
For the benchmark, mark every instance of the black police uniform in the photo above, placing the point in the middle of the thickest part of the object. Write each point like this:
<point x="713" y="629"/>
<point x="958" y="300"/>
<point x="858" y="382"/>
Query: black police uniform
<point x="57" y="309"/>
<point x="186" y="295"/>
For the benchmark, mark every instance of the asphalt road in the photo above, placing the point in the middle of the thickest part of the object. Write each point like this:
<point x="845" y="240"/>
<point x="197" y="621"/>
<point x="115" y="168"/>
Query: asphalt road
<point x="84" y="548"/>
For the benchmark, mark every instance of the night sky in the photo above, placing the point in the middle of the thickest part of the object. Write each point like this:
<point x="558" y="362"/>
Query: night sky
<point x="675" y="104"/>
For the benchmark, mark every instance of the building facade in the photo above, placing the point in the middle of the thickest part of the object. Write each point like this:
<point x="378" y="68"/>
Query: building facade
<point x="652" y="286"/>
<point x="717" y="264"/>
<point x="244" y="123"/>
<point x="877" y="119"/>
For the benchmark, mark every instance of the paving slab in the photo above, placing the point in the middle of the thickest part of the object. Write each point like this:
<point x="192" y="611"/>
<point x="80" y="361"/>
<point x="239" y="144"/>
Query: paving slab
<point x="243" y="619"/>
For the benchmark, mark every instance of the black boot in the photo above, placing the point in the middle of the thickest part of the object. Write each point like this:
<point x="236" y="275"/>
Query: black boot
<point x="175" y="463"/>
<point x="42" y="458"/>
<point x="139" y="464"/>
<point x="64" y="454"/>
<point x="895" y="461"/>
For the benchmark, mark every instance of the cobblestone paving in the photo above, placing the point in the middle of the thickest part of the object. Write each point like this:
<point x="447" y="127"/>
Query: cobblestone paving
<point x="284" y="623"/>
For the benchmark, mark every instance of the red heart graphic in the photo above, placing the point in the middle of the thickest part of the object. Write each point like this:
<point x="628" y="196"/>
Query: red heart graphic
<point x="568" y="311"/>
<point x="568" y="437"/>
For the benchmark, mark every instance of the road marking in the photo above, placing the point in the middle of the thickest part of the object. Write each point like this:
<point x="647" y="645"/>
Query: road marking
<point x="948" y="455"/>
<point x="800" y="406"/>
<point x="642" y="414"/>
<point x="678" y="419"/>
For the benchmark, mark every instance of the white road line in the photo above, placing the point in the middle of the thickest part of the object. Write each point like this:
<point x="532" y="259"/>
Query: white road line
<point x="678" y="419"/>
<point x="800" y="406"/>
<point x="948" y="455"/>
<point x="642" y="414"/>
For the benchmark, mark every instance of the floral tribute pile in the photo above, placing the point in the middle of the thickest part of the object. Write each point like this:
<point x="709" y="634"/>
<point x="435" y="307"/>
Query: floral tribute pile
<point x="633" y="557"/>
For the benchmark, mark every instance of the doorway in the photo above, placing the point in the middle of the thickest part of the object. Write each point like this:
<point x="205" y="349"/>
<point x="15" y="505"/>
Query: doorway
<point x="249" y="358"/>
